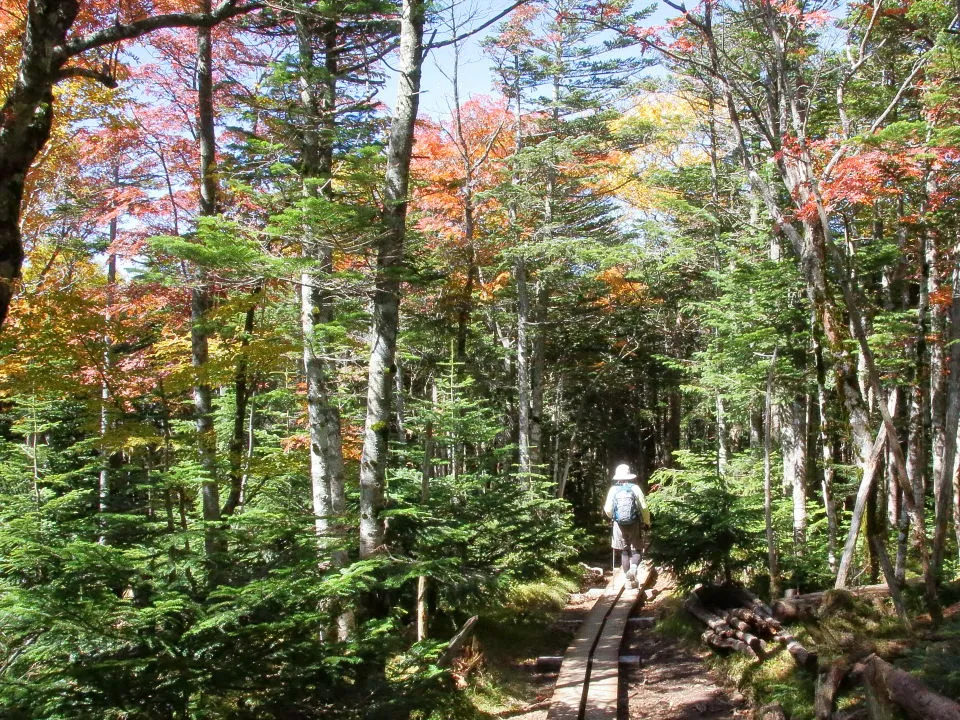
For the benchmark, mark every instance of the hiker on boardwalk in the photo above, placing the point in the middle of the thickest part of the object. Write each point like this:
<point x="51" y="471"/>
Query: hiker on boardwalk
<point x="627" y="507"/>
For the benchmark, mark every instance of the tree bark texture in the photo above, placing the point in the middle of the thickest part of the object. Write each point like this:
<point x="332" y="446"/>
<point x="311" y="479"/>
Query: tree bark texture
<point x="316" y="303"/>
<point x="386" y="302"/>
<point x="910" y="694"/>
<point x="200" y="300"/>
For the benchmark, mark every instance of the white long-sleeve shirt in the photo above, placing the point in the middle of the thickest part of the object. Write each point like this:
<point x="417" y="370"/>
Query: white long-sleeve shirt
<point x="641" y="501"/>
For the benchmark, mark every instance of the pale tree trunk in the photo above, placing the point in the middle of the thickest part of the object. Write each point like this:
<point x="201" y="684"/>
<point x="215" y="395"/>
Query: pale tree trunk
<point x="793" y="447"/>
<point x="723" y="442"/>
<point x="538" y="379"/>
<point x="423" y="614"/>
<point x="106" y="419"/>
<point x="523" y="369"/>
<point x="200" y="301"/>
<point x="941" y="447"/>
<point x="316" y="303"/>
<point x="773" y="563"/>
<point x="523" y="311"/>
<point x="386" y="303"/>
<point x="826" y="456"/>
<point x="863" y="494"/>
<point x="953" y="395"/>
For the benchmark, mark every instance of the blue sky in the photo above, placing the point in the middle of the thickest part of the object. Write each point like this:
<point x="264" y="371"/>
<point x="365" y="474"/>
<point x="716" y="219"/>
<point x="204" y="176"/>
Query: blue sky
<point x="475" y="76"/>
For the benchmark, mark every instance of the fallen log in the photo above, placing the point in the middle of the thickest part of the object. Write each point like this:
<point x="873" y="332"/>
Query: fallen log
<point x="721" y="642"/>
<point x="828" y="682"/>
<point x="695" y="607"/>
<point x="798" y="607"/>
<point x="457" y="643"/>
<point x="721" y="628"/>
<point x="765" y="627"/>
<point x="803" y="657"/>
<point x="742" y="631"/>
<point x="911" y="694"/>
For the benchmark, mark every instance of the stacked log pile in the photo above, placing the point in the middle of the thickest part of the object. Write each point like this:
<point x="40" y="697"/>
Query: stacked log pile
<point x="737" y="620"/>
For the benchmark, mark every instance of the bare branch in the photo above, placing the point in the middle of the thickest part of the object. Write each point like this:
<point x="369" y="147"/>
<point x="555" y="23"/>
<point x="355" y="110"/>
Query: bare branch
<point x="904" y="86"/>
<point x="480" y="28"/>
<point x="137" y="28"/>
<point x="101" y="76"/>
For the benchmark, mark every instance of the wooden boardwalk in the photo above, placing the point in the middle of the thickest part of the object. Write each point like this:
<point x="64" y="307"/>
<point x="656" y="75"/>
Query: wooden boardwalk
<point x="589" y="678"/>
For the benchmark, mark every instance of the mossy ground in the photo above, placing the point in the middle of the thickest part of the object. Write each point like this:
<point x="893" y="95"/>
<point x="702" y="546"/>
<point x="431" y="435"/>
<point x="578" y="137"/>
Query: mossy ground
<point x="495" y="673"/>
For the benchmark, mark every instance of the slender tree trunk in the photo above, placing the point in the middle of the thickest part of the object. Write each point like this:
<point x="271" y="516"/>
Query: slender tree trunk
<point x="942" y="447"/>
<point x="793" y="435"/>
<point x="773" y="562"/>
<point x="826" y="455"/>
<point x="242" y="392"/>
<point x="201" y="302"/>
<point x="723" y="440"/>
<point x="383" y="338"/>
<point x="423" y="616"/>
<point x="523" y="368"/>
<point x="863" y="494"/>
<point x="316" y="303"/>
<point x="953" y="396"/>
<point x="538" y="377"/>
<point x="106" y="419"/>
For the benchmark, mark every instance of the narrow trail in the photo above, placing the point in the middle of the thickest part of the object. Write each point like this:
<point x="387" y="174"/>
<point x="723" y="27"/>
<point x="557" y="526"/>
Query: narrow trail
<point x="657" y="678"/>
<point x="670" y="681"/>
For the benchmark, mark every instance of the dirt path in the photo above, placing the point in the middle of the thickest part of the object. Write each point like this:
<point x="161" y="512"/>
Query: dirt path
<point x="670" y="682"/>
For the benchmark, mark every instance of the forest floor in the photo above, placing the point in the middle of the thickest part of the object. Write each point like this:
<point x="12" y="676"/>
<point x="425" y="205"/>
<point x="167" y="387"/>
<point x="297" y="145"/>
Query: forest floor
<point x="669" y="681"/>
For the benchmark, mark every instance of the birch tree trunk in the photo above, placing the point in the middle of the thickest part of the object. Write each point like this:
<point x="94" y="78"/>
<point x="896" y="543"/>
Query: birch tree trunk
<point x="386" y="302"/>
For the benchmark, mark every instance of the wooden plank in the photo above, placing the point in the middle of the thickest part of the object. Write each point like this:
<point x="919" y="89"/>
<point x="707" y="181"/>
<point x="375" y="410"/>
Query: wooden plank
<point x="604" y="684"/>
<point x="569" y="690"/>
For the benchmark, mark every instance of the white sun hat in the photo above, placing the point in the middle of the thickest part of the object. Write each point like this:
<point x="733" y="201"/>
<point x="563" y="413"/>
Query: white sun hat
<point x="623" y="473"/>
